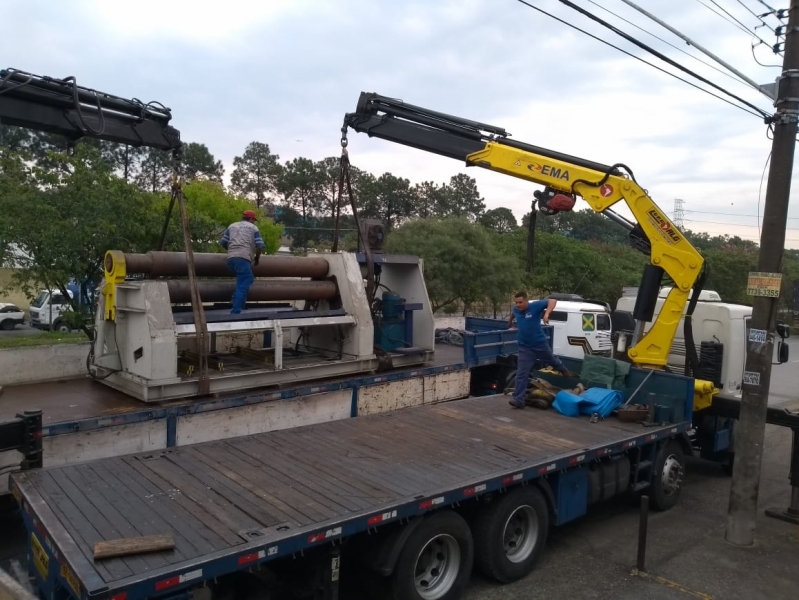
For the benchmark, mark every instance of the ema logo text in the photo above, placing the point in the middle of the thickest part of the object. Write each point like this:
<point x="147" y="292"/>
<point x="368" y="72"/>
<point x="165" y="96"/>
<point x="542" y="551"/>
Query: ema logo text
<point x="549" y="171"/>
<point x="666" y="228"/>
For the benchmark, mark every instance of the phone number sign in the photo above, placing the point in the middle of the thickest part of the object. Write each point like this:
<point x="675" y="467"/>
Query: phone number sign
<point x="764" y="284"/>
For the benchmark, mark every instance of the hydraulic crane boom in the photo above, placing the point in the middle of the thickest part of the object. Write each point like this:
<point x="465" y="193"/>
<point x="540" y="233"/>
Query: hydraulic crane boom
<point x="63" y="107"/>
<point x="564" y="178"/>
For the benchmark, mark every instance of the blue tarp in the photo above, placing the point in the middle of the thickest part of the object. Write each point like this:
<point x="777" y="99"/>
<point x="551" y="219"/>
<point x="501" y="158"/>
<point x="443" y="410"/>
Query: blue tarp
<point x="592" y="400"/>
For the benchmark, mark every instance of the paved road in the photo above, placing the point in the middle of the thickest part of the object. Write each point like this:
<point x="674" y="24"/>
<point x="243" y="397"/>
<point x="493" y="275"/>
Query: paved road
<point x="20" y="330"/>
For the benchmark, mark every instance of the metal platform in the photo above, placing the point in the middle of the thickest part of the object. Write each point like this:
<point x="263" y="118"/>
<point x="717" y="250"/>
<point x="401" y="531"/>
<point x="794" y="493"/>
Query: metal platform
<point x="260" y="497"/>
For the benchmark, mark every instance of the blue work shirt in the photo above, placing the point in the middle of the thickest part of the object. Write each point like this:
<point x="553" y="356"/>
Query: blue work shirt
<point x="528" y="323"/>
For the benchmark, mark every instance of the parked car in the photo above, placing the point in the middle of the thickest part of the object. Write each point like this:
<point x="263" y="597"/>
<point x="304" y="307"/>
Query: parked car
<point x="10" y="316"/>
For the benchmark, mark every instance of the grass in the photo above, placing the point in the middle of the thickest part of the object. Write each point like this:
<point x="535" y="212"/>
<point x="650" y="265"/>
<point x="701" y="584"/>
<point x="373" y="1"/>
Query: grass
<point x="44" y="338"/>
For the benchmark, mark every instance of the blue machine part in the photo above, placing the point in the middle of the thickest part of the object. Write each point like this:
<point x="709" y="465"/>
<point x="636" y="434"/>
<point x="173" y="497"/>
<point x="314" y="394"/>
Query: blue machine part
<point x="392" y="306"/>
<point x="390" y="332"/>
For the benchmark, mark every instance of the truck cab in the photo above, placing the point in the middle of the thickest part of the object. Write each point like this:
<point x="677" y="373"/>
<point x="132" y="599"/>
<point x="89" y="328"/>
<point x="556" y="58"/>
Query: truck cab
<point x="721" y="333"/>
<point x="47" y="308"/>
<point x="580" y="327"/>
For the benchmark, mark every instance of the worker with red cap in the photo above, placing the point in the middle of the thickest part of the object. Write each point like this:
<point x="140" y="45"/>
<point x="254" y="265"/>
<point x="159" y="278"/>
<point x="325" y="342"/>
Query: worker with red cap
<point x="244" y="244"/>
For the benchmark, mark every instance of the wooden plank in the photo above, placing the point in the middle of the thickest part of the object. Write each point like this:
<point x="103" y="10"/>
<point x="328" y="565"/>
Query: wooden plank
<point x="237" y="496"/>
<point x="302" y="477"/>
<point x="324" y="456"/>
<point x="162" y="514"/>
<point x="133" y="545"/>
<point x="222" y="463"/>
<point x="199" y="516"/>
<point x="110" y="504"/>
<point x="82" y="530"/>
<point x="216" y="507"/>
<point x="283" y="487"/>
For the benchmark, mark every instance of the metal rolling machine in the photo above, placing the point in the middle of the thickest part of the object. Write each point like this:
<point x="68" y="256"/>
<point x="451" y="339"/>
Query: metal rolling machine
<point x="306" y="318"/>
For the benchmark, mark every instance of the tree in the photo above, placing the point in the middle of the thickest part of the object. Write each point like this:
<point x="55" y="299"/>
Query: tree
<point x="461" y="198"/>
<point x="199" y="163"/>
<point x="66" y="223"/>
<point x="387" y="198"/>
<point x="211" y="209"/>
<point x="461" y="262"/>
<point x="430" y="199"/>
<point x="155" y="174"/>
<point x="256" y="173"/>
<point x="124" y="160"/>
<point x="499" y="219"/>
<point x="301" y="184"/>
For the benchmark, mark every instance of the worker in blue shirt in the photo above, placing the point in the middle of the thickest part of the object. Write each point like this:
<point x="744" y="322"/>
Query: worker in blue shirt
<point x="244" y="244"/>
<point x="533" y="342"/>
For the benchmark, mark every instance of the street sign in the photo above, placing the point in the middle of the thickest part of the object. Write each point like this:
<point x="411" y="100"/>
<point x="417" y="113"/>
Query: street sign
<point x="764" y="284"/>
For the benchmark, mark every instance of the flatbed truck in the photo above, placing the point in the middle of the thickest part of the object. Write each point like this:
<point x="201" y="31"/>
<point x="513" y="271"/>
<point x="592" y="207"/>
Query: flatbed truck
<point x="414" y="497"/>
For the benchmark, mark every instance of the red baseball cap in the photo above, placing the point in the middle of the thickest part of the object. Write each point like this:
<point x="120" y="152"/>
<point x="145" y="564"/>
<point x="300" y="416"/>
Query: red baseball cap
<point x="250" y="214"/>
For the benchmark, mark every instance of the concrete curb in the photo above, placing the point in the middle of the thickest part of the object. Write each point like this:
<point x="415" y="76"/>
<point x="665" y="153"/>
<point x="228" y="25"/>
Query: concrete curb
<point x="42" y="363"/>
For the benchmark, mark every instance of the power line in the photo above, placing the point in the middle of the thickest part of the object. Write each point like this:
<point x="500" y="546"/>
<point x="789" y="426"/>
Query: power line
<point x="757" y="16"/>
<point x="733" y="17"/>
<point x="731" y="22"/>
<point x="733" y="224"/>
<point x="725" y="214"/>
<point x="760" y="113"/>
<point x="723" y="72"/>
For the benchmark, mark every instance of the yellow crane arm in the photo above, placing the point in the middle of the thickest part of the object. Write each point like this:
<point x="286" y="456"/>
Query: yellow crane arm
<point x="601" y="186"/>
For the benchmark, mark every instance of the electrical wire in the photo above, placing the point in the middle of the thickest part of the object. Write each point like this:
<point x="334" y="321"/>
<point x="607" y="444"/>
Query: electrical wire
<point x="735" y="24"/>
<point x="760" y="113"/>
<point x="733" y="17"/>
<point x="757" y="61"/>
<point x="724" y="214"/>
<point x="734" y="224"/>
<point x="708" y="64"/>
<point x="757" y="16"/>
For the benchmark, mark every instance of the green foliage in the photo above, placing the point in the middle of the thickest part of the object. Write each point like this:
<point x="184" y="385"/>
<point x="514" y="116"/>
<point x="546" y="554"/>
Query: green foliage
<point x="462" y="198"/>
<point x="461" y="262"/>
<point x="63" y="224"/>
<point x="45" y="338"/>
<point x="388" y="198"/>
<point x="211" y="209"/>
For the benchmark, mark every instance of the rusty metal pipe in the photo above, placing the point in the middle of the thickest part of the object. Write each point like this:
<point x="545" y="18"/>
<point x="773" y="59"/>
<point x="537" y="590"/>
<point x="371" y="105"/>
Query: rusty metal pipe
<point x="260" y="291"/>
<point x="209" y="264"/>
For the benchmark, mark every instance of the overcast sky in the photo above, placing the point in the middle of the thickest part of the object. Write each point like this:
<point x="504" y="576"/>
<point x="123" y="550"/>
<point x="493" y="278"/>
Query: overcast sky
<point x="286" y="72"/>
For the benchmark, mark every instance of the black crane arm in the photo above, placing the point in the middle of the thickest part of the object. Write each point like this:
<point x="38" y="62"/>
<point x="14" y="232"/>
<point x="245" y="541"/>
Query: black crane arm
<point x="63" y="107"/>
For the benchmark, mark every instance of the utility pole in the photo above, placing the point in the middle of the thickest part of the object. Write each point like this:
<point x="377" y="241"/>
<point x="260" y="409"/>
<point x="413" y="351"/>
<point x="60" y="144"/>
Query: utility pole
<point x="757" y="372"/>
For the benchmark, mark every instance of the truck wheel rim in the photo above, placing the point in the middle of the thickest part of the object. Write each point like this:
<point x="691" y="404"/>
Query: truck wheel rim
<point x="520" y="534"/>
<point x="671" y="478"/>
<point x="437" y="567"/>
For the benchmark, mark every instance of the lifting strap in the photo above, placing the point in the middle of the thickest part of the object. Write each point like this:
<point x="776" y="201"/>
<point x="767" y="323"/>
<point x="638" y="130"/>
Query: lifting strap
<point x="530" y="258"/>
<point x="200" y="325"/>
<point x="344" y="177"/>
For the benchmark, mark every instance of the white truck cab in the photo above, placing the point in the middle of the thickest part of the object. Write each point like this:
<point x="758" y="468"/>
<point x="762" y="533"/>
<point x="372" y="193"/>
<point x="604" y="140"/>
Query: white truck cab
<point x="713" y="321"/>
<point x="580" y="327"/>
<point x="47" y="308"/>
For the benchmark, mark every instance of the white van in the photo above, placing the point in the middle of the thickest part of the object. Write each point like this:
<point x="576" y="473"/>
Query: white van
<point x="581" y="327"/>
<point x="46" y="311"/>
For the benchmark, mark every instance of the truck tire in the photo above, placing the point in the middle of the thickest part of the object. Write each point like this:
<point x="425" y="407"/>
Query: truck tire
<point x="510" y="534"/>
<point x="7" y="325"/>
<point x="667" y="476"/>
<point x="61" y="327"/>
<point x="436" y="561"/>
